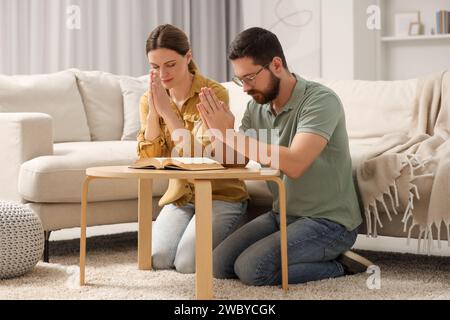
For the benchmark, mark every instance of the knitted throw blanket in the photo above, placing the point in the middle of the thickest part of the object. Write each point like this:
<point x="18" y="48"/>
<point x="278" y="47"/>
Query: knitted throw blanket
<point x="409" y="174"/>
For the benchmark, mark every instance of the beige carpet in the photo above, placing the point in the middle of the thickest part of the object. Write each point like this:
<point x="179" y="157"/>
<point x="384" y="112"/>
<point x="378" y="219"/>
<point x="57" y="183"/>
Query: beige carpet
<point x="112" y="274"/>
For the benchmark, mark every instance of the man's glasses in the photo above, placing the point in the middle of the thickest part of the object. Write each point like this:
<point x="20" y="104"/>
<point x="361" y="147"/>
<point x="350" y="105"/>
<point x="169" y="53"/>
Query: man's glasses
<point x="250" y="79"/>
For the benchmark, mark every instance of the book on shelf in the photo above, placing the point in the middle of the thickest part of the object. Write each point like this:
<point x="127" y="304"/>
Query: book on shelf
<point x="177" y="163"/>
<point x="443" y="22"/>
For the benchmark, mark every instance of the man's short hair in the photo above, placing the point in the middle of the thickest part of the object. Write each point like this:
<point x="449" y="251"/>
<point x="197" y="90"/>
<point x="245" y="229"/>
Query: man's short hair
<point x="257" y="43"/>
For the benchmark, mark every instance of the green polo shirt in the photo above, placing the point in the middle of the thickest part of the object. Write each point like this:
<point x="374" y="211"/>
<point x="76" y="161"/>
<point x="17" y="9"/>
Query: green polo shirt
<point x="326" y="189"/>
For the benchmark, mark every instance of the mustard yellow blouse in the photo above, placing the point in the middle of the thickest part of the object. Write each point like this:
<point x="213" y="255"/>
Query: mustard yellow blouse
<point x="181" y="191"/>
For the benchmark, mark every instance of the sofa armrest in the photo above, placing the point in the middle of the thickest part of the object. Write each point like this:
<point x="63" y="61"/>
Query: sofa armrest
<point x="23" y="136"/>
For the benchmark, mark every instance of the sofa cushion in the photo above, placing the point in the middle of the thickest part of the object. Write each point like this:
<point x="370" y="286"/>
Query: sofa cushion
<point x="102" y="100"/>
<point x="373" y="108"/>
<point x="59" y="177"/>
<point x="132" y="90"/>
<point x="55" y="94"/>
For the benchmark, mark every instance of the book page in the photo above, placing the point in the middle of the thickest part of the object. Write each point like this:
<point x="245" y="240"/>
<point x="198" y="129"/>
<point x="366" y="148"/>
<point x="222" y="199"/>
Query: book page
<point x="193" y="160"/>
<point x="147" y="163"/>
<point x="184" y="163"/>
<point x="192" y="163"/>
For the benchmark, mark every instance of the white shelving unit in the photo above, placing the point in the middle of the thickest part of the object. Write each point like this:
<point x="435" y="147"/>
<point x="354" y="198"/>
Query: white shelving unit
<point x="411" y="56"/>
<point x="417" y="38"/>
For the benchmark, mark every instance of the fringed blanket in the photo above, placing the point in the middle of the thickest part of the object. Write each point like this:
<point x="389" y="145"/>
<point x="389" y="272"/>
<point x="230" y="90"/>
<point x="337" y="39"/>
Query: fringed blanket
<point x="410" y="173"/>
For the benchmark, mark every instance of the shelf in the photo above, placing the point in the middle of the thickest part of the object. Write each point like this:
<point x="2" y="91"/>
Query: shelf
<point x="412" y="38"/>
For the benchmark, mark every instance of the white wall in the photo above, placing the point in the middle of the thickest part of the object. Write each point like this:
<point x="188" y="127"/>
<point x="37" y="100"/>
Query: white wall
<point x="365" y="45"/>
<point x="348" y="46"/>
<point x="321" y="38"/>
<point x="296" y="24"/>
<point x="337" y="39"/>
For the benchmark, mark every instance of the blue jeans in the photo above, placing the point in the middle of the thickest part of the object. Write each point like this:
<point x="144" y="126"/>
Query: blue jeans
<point x="173" y="235"/>
<point x="252" y="253"/>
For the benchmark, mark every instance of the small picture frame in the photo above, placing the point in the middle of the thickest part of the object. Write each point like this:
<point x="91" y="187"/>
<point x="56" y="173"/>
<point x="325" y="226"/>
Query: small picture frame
<point x="415" y="29"/>
<point x="403" y="22"/>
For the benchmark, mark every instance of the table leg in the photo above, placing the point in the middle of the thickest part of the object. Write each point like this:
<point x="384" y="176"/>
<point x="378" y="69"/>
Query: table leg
<point x="203" y="242"/>
<point x="83" y="226"/>
<point x="283" y="233"/>
<point x="145" y="218"/>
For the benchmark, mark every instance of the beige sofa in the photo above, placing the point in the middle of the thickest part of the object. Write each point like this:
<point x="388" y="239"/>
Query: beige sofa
<point x="54" y="126"/>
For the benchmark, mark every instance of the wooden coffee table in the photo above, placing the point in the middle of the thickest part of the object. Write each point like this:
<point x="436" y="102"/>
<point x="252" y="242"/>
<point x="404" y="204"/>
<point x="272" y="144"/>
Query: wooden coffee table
<point x="203" y="220"/>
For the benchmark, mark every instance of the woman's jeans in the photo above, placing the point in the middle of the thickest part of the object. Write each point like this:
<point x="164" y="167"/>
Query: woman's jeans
<point x="252" y="253"/>
<point x="173" y="236"/>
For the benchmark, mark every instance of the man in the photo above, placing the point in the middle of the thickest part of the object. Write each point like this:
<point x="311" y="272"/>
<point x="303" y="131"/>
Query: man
<point x="313" y="155"/>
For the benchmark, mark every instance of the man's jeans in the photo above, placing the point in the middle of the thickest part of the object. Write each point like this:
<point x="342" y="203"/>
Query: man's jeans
<point x="173" y="236"/>
<point x="252" y="253"/>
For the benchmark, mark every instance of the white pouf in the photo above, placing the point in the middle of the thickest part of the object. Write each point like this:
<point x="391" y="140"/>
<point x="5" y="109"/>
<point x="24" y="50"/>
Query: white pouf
<point x="21" y="239"/>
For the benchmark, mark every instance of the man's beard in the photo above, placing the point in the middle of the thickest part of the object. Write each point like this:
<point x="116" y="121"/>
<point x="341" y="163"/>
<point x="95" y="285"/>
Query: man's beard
<point x="263" y="97"/>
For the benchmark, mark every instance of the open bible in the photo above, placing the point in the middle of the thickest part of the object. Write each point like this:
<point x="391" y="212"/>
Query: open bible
<point x="196" y="163"/>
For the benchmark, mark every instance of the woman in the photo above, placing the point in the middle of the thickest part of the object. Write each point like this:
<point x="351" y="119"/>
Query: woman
<point x="170" y="104"/>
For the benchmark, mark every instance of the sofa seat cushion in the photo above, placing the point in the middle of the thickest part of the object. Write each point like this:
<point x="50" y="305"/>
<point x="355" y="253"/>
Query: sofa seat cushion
<point x="59" y="177"/>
